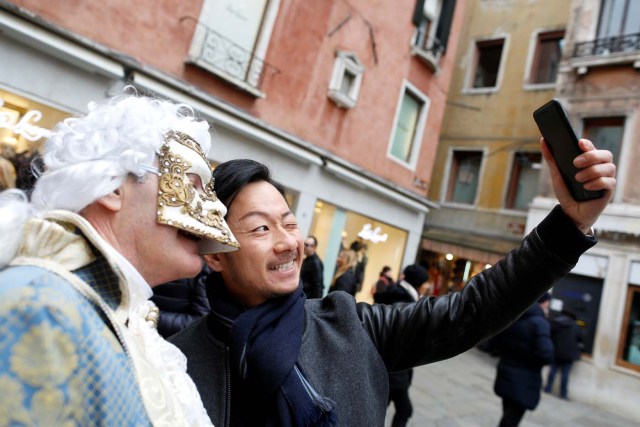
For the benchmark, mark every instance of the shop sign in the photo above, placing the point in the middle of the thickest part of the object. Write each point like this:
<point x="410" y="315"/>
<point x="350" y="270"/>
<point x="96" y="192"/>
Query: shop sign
<point x="24" y="128"/>
<point x="372" y="234"/>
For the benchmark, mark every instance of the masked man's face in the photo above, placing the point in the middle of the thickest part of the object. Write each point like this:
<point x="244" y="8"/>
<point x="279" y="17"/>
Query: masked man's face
<point x="186" y="195"/>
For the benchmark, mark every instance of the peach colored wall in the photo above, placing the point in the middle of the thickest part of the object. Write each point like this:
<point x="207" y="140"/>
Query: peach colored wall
<point x="302" y="48"/>
<point x="148" y="30"/>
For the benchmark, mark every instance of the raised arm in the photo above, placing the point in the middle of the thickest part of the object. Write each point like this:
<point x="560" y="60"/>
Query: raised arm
<point x="437" y="328"/>
<point x="598" y="173"/>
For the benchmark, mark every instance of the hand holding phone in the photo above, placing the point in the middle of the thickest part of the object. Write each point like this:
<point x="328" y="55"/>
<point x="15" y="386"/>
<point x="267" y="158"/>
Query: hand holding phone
<point x="562" y="141"/>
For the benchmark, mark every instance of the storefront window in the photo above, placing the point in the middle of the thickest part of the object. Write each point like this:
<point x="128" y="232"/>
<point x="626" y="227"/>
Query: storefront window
<point x="449" y="272"/>
<point x="629" y="355"/>
<point x="24" y="125"/>
<point x="336" y="228"/>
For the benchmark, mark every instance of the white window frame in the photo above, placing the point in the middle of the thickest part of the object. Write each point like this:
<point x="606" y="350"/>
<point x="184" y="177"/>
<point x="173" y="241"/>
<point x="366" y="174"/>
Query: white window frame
<point x="627" y="144"/>
<point x="416" y="144"/>
<point x="505" y="191"/>
<point x="260" y="50"/>
<point x="471" y="60"/>
<point x="531" y="56"/>
<point x="447" y="176"/>
<point x="345" y="62"/>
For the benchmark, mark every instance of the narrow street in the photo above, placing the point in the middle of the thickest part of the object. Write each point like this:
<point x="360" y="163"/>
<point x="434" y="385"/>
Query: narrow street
<point x="459" y="392"/>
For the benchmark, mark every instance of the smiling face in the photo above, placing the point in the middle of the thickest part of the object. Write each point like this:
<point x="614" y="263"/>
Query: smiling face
<point x="268" y="262"/>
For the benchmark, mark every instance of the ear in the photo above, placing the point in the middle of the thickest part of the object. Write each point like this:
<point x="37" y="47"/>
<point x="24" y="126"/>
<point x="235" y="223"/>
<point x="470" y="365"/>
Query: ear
<point x="214" y="261"/>
<point x="112" y="201"/>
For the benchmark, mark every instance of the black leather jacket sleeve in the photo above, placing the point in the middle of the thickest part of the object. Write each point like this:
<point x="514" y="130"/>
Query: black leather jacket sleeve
<point x="437" y="328"/>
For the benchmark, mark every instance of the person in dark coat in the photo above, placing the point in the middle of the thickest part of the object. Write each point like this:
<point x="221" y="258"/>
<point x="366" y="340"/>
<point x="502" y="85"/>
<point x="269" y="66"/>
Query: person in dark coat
<point x="345" y="278"/>
<point x="406" y="290"/>
<point x="524" y="348"/>
<point x="360" y="247"/>
<point x="384" y="281"/>
<point x="567" y="339"/>
<point x="312" y="270"/>
<point x="181" y="302"/>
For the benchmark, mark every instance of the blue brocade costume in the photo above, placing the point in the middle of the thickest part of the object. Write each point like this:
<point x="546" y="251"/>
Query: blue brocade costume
<point x="61" y="363"/>
<point x="63" y="358"/>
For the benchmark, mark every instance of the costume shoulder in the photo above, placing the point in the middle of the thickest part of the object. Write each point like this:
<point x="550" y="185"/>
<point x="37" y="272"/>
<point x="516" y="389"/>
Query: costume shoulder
<point x="27" y="288"/>
<point x="62" y="364"/>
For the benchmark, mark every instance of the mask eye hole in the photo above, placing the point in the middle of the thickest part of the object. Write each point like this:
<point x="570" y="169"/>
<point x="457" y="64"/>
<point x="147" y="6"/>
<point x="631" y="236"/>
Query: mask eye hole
<point x="196" y="181"/>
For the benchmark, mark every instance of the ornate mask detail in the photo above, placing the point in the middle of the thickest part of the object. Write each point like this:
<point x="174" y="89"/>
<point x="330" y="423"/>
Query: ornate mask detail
<point x="180" y="205"/>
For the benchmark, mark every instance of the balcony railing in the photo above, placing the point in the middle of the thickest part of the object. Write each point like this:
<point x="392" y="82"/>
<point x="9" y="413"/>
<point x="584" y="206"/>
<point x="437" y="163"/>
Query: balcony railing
<point x="427" y="49"/>
<point x="225" y="57"/>
<point x="608" y="45"/>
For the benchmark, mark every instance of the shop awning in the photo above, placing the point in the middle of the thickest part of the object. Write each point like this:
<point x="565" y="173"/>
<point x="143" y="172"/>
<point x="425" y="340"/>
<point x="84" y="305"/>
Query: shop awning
<point x="473" y="247"/>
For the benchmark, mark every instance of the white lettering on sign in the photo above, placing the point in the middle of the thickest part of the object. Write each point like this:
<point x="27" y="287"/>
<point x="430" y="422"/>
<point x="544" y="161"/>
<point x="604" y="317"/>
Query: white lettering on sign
<point x="372" y="234"/>
<point x="28" y="130"/>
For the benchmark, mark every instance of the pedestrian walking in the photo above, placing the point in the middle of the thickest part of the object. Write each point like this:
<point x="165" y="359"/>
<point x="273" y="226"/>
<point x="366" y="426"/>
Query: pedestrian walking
<point x="567" y="339"/>
<point x="524" y="348"/>
<point x="406" y="290"/>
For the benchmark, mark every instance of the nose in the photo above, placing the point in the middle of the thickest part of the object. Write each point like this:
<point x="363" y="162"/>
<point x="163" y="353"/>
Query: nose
<point x="285" y="240"/>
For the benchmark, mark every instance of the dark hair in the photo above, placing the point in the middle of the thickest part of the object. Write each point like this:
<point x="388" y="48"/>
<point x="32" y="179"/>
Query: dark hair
<point x="315" y="241"/>
<point x="232" y="176"/>
<point x="385" y="269"/>
<point x="415" y="275"/>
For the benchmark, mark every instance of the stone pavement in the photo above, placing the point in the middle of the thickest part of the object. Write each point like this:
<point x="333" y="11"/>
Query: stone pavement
<point x="459" y="393"/>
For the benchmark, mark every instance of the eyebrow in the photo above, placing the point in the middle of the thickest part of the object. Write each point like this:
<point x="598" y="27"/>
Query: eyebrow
<point x="262" y="214"/>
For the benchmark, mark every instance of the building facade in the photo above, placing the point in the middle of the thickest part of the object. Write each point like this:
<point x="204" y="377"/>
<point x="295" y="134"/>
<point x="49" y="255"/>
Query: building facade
<point x="343" y="100"/>
<point x="599" y="85"/>
<point x="493" y="187"/>
<point x="488" y="160"/>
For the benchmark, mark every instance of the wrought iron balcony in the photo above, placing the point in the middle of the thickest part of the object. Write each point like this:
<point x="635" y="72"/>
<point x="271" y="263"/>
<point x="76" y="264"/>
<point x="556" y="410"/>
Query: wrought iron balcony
<point x="224" y="57"/>
<point x="433" y="47"/>
<point x="428" y="49"/>
<point x="422" y="41"/>
<point x="608" y="45"/>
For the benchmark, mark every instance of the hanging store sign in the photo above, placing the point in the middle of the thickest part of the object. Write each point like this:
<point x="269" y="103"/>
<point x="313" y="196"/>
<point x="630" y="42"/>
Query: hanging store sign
<point x="24" y="127"/>
<point x="372" y="234"/>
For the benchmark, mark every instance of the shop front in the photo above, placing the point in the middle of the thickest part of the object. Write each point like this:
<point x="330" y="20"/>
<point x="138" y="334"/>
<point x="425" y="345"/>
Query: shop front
<point x="453" y="257"/>
<point x="337" y="228"/>
<point x="24" y="125"/>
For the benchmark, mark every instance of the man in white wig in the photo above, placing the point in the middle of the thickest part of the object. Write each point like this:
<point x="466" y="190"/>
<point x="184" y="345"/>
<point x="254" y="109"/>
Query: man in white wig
<point x="124" y="198"/>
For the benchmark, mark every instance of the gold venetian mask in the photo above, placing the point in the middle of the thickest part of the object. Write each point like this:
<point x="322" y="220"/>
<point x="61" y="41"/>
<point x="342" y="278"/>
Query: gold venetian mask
<point x="180" y="205"/>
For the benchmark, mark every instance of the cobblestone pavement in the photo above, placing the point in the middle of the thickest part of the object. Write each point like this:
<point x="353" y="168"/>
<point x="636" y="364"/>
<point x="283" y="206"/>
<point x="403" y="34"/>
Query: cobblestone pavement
<point x="459" y="393"/>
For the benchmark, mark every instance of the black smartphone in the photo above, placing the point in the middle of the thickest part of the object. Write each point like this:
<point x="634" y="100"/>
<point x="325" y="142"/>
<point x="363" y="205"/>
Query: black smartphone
<point x="562" y="141"/>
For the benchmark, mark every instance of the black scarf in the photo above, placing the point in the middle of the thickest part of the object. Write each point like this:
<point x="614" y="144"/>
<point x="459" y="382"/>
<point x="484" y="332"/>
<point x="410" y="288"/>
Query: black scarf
<point x="264" y="344"/>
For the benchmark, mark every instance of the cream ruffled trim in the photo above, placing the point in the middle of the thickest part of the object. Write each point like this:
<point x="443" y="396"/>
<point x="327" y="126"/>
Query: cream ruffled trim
<point x="167" y="359"/>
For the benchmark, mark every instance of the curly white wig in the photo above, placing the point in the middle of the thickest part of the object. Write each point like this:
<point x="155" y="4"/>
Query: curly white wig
<point x="90" y="156"/>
